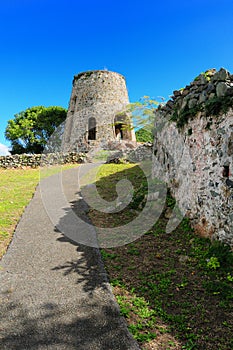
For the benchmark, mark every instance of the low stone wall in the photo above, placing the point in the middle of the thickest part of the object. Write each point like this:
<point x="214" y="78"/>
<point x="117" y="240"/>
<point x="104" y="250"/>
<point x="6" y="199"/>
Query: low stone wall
<point x="36" y="160"/>
<point x="193" y="150"/>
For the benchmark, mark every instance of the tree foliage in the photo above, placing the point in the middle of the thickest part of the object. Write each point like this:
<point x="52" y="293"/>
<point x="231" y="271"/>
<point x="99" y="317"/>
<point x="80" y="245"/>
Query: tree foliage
<point x="30" y="130"/>
<point x="143" y="113"/>
<point x="144" y="135"/>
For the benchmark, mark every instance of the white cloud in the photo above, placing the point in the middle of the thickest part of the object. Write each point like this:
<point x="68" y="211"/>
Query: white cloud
<point x="4" y="150"/>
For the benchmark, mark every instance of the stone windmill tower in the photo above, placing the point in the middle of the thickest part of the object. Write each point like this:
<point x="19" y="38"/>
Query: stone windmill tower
<point x="95" y="111"/>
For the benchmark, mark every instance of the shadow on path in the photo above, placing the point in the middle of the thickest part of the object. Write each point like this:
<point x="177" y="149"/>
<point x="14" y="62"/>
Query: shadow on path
<point x="88" y="267"/>
<point x="45" y="332"/>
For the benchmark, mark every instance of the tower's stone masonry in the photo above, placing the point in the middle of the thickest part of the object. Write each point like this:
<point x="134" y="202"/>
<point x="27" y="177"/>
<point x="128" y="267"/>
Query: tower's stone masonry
<point x="193" y="150"/>
<point x="95" y="111"/>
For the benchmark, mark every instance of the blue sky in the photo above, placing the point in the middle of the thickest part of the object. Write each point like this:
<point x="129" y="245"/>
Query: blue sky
<point x="159" y="46"/>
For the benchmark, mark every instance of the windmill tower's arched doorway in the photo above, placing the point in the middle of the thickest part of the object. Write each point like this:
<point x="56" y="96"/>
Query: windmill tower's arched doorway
<point x="122" y="127"/>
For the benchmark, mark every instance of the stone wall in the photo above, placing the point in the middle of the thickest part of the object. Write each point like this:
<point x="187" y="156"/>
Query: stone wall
<point x="193" y="150"/>
<point x="135" y="154"/>
<point x="35" y="160"/>
<point x="96" y="101"/>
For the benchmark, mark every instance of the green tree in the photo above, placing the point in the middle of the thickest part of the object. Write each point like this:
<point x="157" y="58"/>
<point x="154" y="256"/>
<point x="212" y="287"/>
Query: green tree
<point x="144" y="135"/>
<point x="31" y="129"/>
<point x="143" y="113"/>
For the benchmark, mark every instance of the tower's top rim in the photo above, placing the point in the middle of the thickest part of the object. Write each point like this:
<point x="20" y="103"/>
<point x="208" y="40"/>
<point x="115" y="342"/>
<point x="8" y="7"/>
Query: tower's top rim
<point x="90" y="72"/>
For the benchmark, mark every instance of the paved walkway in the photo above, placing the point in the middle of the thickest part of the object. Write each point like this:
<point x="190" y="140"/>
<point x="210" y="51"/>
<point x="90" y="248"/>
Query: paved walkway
<point x="54" y="293"/>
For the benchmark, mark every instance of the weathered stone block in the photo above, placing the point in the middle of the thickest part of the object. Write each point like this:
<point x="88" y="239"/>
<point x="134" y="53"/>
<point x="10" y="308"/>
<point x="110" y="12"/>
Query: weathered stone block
<point x="221" y="89"/>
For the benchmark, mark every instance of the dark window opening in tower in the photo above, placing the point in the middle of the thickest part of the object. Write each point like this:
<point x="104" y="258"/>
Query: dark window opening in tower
<point x="91" y="129"/>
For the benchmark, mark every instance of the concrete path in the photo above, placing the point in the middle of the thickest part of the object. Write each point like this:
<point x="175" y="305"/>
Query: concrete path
<point x="54" y="292"/>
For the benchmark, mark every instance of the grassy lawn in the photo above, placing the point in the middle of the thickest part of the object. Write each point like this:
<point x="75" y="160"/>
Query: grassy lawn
<point x="175" y="290"/>
<point x="17" y="187"/>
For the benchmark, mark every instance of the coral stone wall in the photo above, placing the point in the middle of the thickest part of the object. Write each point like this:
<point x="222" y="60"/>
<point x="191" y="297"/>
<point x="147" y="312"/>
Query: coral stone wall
<point x="96" y="94"/>
<point x="193" y="150"/>
<point x="36" y="160"/>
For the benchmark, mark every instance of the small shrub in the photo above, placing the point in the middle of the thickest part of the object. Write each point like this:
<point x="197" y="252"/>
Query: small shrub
<point x="213" y="263"/>
<point x="222" y="252"/>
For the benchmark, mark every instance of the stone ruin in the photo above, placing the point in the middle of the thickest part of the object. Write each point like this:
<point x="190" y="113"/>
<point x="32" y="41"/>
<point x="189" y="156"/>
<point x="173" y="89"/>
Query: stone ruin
<point x="193" y="143"/>
<point x="95" y="116"/>
<point x="193" y="150"/>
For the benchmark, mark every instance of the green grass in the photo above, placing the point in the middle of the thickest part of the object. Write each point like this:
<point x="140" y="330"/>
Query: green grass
<point x="114" y="173"/>
<point x="17" y="187"/>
